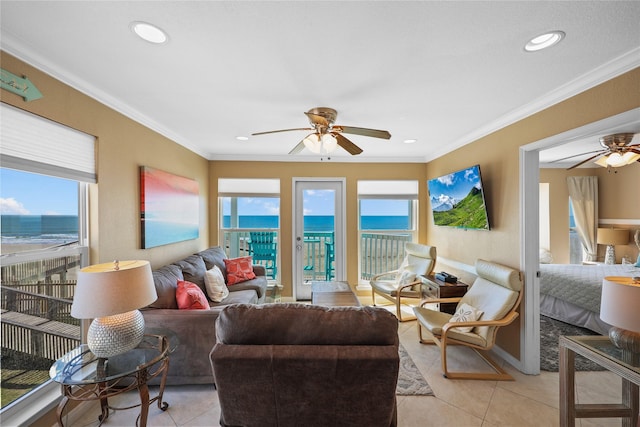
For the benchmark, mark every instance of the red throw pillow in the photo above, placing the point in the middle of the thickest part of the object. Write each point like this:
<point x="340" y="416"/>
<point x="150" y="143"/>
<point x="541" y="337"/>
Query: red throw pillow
<point x="239" y="270"/>
<point x="190" y="297"/>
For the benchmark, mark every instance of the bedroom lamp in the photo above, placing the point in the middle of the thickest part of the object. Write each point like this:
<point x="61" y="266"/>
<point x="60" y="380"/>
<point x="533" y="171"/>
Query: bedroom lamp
<point x="619" y="308"/>
<point x="612" y="237"/>
<point x="111" y="294"/>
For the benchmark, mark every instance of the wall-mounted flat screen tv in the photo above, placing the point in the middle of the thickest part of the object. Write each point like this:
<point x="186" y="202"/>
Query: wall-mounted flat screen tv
<point x="457" y="200"/>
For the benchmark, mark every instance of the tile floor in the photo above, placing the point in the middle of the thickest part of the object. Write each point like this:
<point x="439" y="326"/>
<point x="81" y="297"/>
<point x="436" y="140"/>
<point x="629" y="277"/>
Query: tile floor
<point x="527" y="401"/>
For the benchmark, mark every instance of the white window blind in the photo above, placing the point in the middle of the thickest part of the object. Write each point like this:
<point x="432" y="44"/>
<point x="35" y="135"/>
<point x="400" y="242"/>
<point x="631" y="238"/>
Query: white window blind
<point x="389" y="189"/>
<point x="248" y="187"/>
<point x="34" y="144"/>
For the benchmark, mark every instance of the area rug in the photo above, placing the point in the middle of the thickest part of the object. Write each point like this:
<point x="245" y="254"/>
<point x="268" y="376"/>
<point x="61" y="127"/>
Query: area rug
<point x="550" y="331"/>
<point x="410" y="380"/>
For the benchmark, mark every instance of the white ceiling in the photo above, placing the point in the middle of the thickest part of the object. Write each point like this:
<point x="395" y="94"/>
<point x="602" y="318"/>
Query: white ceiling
<point x="442" y="72"/>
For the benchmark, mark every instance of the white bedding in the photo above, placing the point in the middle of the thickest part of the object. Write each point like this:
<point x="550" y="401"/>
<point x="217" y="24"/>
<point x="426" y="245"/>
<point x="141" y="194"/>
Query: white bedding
<point x="571" y="293"/>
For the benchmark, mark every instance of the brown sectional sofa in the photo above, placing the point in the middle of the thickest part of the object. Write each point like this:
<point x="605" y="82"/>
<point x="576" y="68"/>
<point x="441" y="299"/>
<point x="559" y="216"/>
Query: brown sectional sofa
<point x="194" y="330"/>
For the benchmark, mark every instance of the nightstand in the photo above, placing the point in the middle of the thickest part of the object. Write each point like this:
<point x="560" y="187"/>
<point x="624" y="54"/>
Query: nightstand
<point x="434" y="288"/>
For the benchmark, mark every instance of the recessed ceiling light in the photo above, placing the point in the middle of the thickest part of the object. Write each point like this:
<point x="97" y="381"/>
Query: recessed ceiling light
<point x="410" y="141"/>
<point x="242" y="138"/>
<point x="544" y="41"/>
<point x="149" y="32"/>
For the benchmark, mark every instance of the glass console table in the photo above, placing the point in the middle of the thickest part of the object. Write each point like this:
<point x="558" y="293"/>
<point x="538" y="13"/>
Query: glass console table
<point x="600" y="350"/>
<point x="85" y="377"/>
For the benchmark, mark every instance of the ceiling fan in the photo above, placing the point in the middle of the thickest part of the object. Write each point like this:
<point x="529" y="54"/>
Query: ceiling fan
<point x="615" y="152"/>
<point x="326" y="136"/>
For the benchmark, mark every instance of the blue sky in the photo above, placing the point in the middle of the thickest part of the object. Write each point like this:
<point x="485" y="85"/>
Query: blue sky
<point x="316" y="202"/>
<point x="456" y="185"/>
<point x="23" y="193"/>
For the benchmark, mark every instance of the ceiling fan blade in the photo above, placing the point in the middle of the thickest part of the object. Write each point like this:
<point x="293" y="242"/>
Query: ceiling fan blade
<point x="585" y="161"/>
<point x="374" y="133"/>
<point x="633" y="150"/>
<point x="576" y="155"/>
<point x="349" y="146"/>
<point x="298" y="148"/>
<point x="317" y="119"/>
<point x="281" y="130"/>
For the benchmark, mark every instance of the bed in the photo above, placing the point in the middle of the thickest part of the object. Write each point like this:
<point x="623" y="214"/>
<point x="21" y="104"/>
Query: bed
<point x="571" y="292"/>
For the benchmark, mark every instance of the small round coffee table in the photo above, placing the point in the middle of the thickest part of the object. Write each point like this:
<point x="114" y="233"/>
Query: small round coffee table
<point x="85" y="377"/>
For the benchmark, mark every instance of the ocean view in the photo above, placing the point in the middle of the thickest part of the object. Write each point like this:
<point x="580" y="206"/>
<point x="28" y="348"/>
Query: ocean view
<point x="41" y="230"/>
<point x="51" y="230"/>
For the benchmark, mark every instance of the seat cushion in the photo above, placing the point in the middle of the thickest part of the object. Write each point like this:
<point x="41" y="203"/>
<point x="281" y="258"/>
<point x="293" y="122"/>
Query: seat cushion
<point x="434" y="321"/>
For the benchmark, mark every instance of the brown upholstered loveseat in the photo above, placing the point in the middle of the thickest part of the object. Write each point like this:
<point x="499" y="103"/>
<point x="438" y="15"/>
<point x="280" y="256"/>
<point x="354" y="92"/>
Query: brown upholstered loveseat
<point x="304" y="365"/>
<point x="195" y="329"/>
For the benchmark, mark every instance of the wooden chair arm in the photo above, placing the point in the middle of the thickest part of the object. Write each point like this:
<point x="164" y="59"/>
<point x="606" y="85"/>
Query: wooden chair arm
<point x="408" y="285"/>
<point x="386" y="273"/>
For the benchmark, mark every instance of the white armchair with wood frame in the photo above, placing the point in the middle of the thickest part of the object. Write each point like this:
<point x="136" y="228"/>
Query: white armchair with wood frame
<point x="405" y="283"/>
<point x="490" y="303"/>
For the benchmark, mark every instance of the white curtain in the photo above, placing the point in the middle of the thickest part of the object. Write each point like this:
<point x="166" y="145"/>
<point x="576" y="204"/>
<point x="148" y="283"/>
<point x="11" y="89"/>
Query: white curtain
<point x="583" y="193"/>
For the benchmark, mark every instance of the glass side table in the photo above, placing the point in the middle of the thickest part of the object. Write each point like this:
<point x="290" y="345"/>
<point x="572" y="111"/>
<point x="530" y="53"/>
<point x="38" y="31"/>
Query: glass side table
<point x="85" y="377"/>
<point x="602" y="351"/>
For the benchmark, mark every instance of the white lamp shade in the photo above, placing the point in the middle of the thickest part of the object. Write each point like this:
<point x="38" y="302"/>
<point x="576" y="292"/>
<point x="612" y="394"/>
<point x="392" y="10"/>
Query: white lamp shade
<point x="620" y="303"/>
<point x="616" y="160"/>
<point x="102" y="290"/>
<point x="329" y="143"/>
<point x="312" y="142"/>
<point x="320" y="144"/>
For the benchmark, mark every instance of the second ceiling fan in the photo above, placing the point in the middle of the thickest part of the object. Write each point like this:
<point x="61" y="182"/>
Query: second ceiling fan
<point x="327" y="136"/>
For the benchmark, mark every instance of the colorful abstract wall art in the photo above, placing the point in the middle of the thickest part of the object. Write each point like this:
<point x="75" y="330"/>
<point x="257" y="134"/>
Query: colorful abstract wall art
<point x="169" y="208"/>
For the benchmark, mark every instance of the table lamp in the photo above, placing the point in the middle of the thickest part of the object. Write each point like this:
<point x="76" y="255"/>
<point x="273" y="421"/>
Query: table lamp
<point x="619" y="307"/>
<point x="612" y="237"/>
<point x="111" y="294"/>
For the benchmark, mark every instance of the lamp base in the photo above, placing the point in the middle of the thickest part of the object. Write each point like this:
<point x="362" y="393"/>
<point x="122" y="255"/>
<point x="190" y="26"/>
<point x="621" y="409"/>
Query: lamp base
<point x="610" y="255"/>
<point x="113" y="335"/>
<point x="625" y="340"/>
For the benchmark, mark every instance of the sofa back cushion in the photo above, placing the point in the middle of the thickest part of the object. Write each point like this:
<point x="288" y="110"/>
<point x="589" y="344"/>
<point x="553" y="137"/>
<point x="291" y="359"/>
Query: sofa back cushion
<point x="302" y="324"/>
<point x="193" y="270"/>
<point x="166" y="280"/>
<point x="214" y="256"/>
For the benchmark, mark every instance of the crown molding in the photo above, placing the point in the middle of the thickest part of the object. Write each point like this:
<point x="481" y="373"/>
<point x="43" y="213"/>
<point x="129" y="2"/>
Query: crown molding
<point x="617" y="66"/>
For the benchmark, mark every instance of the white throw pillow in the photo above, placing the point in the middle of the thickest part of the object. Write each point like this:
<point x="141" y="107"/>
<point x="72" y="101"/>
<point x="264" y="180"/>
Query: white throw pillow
<point x="214" y="282"/>
<point x="406" y="277"/>
<point x="465" y="313"/>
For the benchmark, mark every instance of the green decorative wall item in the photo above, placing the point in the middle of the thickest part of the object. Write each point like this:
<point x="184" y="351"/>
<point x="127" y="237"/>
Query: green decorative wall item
<point x="21" y="86"/>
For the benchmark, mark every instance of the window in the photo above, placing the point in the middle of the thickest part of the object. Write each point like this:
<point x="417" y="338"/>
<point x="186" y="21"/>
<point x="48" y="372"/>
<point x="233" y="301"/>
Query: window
<point x="249" y="213"/>
<point x="575" y="245"/>
<point x="387" y="212"/>
<point x="43" y="207"/>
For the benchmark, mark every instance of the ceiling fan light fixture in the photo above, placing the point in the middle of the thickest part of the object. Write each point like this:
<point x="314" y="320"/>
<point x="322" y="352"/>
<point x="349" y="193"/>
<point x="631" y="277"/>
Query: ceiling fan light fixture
<point x="544" y="41"/>
<point x="324" y="144"/>
<point x="617" y="160"/>
<point x="312" y="143"/>
<point x="329" y="143"/>
<point x="149" y="32"/>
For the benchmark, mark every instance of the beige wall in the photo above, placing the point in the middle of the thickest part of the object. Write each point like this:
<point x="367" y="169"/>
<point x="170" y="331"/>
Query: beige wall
<point x="498" y="157"/>
<point x="286" y="171"/>
<point x="123" y="145"/>
<point x="619" y="200"/>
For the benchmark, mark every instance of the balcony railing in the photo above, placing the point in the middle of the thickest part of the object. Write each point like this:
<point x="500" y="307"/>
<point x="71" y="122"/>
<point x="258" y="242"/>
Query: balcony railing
<point x="379" y="252"/>
<point x="37" y="327"/>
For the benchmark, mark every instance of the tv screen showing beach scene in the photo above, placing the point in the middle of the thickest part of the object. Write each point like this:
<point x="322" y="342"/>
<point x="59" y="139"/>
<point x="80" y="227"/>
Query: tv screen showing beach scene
<point x="457" y="200"/>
